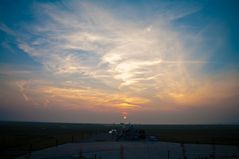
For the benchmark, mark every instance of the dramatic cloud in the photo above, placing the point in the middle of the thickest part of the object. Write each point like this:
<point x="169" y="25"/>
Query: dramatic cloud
<point x="95" y="58"/>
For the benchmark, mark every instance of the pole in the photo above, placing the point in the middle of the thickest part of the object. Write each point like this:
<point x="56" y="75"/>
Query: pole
<point x="122" y="152"/>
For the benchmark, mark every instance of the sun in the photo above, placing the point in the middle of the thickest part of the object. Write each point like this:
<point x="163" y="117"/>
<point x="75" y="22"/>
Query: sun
<point x="124" y="114"/>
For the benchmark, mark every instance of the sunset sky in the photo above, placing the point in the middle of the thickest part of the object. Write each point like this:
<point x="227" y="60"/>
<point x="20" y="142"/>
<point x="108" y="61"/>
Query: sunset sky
<point x="102" y="61"/>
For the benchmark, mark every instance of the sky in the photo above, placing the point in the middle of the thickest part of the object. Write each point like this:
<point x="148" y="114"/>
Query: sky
<point x="145" y="62"/>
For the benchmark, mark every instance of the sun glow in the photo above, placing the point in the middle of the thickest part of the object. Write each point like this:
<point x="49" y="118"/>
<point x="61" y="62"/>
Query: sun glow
<point x="89" y="57"/>
<point x="125" y="115"/>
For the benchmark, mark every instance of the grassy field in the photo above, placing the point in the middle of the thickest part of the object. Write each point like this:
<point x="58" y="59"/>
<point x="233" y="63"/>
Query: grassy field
<point x="18" y="138"/>
<point x="196" y="134"/>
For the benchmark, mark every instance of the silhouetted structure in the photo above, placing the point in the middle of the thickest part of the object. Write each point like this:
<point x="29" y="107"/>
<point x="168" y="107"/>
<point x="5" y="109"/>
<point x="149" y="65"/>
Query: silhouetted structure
<point x="129" y="132"/>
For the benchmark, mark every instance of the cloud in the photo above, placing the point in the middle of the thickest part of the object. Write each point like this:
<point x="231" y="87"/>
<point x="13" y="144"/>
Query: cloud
<point x="100" y="57"/>
<point x="6" y="29"/>
<point x="95" y="98"/>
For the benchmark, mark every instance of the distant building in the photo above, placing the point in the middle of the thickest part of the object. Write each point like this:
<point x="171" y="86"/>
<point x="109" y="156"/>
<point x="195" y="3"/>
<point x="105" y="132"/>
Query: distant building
<point x="129" y="132"/>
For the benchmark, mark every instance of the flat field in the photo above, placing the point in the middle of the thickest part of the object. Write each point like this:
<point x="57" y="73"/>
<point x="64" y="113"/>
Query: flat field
<point x="18" y="138"/>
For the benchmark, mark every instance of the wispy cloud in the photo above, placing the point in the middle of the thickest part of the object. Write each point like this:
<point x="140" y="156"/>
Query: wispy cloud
<point x="100" y="57"/>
